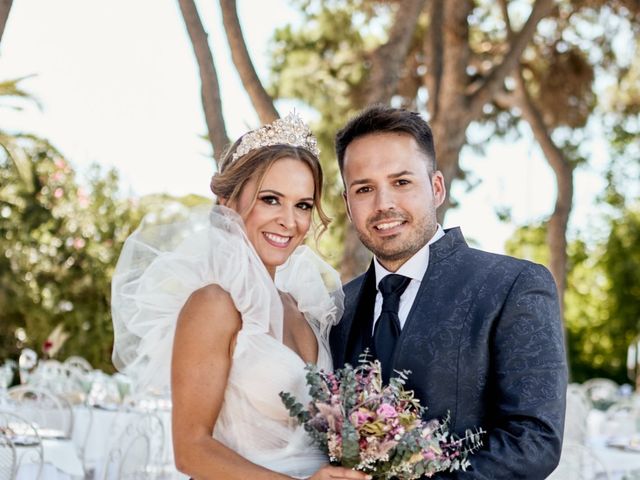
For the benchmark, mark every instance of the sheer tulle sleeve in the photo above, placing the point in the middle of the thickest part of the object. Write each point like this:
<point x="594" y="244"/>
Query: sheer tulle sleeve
<point x="163" y="262"/>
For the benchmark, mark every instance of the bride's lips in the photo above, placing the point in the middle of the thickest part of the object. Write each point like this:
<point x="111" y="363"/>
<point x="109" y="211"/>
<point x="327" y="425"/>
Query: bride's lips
<point x="278" y="241"/>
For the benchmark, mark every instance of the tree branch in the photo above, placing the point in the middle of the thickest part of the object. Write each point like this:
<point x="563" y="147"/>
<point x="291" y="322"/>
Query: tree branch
<point x="210" y="89"/>
<point x="5" y="7"/>
<point x="261" y="100"/>
<point x="387" y="60"/>
<point x="493" y="82"/>
<point x="434" y="49"/>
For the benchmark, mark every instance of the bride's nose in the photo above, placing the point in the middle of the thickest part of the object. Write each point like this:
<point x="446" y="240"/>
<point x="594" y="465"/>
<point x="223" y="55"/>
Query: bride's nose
<point x="287" y="218"/>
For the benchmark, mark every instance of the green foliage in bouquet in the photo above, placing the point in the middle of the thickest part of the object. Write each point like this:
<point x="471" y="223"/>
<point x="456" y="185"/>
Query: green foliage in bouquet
<point x="379" y="429"/>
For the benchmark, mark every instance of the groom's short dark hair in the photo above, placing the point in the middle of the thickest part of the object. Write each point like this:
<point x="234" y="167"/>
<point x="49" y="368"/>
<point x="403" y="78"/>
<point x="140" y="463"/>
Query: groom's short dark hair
<point x="384" y="119"/>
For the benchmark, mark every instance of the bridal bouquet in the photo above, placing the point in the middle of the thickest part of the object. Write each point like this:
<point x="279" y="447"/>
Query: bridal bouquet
<point x="361" y="424"/>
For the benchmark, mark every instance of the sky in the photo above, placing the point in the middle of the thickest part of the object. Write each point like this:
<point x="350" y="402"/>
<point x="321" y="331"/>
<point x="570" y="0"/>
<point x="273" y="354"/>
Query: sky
<point x="119" y="86"/>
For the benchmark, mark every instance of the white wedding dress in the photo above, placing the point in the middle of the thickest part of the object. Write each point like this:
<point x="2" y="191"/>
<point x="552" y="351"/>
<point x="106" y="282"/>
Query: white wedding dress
<point x="166" y="260"/>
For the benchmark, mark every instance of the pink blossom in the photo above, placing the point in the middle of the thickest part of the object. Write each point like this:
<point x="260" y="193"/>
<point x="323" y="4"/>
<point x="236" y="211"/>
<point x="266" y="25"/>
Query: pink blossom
<point x="360" y="417"/>
<point x="429" y="455"/>
<point x="386" y="411"/>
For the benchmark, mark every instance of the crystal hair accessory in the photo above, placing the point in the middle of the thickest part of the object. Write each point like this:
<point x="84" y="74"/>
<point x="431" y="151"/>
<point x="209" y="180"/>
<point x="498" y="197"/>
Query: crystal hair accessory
<point x="290" y="130"/>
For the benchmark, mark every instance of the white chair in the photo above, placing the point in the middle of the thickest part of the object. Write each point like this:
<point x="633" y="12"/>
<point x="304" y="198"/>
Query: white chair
<point x="575" y="421"/>
<point x="44" y="409"/>
<point x="79" y="363"/>
<point x="602" y="392"/>
<point x="8" y="457"/>
<point x="20" y="444"/>
<point x="137" y="447"/>
<point x="579" y="462"/>
<point x="621" y="418"/>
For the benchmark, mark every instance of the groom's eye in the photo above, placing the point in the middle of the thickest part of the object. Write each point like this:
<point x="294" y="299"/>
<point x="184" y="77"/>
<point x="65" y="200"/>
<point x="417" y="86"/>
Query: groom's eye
<point x="363" y="190"/>
<point x="402" y="181"/>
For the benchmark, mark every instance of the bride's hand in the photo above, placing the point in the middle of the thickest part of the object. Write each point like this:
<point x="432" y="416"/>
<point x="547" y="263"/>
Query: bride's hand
<point x="333" y="473"/>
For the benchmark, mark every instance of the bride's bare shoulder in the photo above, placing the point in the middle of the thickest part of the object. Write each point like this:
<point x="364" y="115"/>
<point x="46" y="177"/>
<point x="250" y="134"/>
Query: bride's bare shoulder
<point x="209" y="303"/>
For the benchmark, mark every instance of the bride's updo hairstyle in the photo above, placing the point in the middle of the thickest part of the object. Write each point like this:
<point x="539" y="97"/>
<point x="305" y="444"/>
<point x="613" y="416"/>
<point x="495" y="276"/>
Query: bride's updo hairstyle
<point x="235" y="173"/>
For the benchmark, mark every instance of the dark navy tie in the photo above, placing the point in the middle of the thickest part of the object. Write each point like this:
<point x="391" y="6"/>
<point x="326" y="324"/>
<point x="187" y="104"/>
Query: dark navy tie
<point x="387" y="328"/>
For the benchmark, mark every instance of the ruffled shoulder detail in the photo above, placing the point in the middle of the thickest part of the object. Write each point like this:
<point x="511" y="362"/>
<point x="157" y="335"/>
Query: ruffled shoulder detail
<point x="173" y="254"/>
<point x="162" y="263"/>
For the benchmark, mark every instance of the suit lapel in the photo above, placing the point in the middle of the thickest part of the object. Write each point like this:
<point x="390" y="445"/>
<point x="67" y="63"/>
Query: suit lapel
<point x="438" y="251"/>
<point x="361" y="322"/>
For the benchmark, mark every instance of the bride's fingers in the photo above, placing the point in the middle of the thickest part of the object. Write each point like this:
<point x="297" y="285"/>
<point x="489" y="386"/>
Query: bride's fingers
<point x="347" y="473"/>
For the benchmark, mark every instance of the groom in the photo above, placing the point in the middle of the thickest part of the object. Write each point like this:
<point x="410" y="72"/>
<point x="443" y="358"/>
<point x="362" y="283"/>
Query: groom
<point x="480" y="333"/>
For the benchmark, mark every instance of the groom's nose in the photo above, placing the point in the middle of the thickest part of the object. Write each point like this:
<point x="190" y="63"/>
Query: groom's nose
<point x="384" y="199"/>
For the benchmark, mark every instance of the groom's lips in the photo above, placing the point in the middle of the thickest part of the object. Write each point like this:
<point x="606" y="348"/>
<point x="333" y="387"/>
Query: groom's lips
<point x="389" y="228"/>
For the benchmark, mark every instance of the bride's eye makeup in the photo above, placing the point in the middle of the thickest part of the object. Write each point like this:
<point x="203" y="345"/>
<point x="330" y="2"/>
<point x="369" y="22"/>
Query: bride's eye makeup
<point x="270" y="199"/>
<point x="305" y="205"/>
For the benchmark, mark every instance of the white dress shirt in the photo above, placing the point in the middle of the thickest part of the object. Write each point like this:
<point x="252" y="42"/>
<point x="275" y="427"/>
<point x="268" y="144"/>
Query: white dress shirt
<point x="414" y="268"/>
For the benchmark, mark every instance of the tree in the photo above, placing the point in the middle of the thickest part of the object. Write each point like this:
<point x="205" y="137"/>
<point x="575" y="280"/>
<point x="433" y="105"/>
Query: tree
<point x="462" y="67"/>
<point x="210" y="88"/>
<point x="5" y="8"/>
<point x="60" y="244"/>
<point x="340" y="48"/>
<point x="261" y="100"/>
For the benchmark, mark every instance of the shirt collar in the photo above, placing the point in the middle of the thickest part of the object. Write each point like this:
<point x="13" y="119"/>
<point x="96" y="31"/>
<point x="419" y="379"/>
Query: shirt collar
<point x="415" y="267"/>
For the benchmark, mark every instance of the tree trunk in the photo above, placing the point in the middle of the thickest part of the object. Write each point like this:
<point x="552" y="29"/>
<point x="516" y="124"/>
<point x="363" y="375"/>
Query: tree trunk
<point x="386" y="70"/>
<point x="387" y="61"/>
<point x="5" y="7"/>
<point x="562" y="168"/>
<point x="210" y="89"/>
<point x="261" y="100"/>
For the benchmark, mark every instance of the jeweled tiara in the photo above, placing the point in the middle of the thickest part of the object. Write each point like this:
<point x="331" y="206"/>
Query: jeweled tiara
<point x="290" y="130"/>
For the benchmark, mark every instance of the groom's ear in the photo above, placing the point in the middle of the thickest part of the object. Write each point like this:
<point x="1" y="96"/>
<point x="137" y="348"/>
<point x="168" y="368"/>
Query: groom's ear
<point x="346" y="205"/>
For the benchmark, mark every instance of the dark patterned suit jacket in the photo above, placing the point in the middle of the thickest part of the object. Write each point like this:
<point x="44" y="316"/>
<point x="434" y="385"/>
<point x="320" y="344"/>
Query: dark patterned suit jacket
<point x="484" y="342"/>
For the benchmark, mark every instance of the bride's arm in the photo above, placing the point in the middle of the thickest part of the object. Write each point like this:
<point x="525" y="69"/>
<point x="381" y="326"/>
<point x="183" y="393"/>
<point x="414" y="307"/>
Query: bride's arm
<point x="204" y="337"/>
<point x="206" y="329"/>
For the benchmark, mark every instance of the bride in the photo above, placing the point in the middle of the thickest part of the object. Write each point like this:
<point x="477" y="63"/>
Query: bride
<point x="230" y="315"/>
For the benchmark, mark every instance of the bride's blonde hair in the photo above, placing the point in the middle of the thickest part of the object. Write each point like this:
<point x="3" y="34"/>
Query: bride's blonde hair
<point x="233" y="175"/>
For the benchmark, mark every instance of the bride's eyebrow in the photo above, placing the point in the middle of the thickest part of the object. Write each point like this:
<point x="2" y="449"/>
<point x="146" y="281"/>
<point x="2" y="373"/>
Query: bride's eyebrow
<point x="274" y="192"/>
<point x="278" y="194"/>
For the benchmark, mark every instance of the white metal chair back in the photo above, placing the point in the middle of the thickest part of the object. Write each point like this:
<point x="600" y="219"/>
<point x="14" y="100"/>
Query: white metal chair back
<point x="8" y="457"/>
<point x="46" y="410"/>
<point x="579" y="462"/>
<point x="79" y="363"/>
<point x="578" y="407"/>
<point x="20" y="444"/>
<point x="139" y="443"/>
<point x="621" y="418"/>
<point x="601" y="392"/>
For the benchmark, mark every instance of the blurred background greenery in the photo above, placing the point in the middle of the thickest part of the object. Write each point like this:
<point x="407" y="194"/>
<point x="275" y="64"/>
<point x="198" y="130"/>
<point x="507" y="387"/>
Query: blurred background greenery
<point x="554" y="69"/>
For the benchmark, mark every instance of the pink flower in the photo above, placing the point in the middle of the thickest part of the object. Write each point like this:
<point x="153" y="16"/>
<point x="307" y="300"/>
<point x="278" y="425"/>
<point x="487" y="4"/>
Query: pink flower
<point x="386" y="411"/>
<point x="360" y="417"/>
<point x="429" y="455"/>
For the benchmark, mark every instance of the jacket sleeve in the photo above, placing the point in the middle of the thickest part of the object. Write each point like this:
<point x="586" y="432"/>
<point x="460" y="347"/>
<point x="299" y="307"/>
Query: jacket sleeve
<point x="530" y="382"/>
